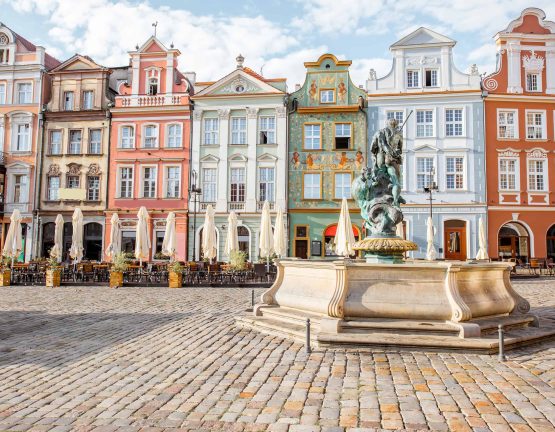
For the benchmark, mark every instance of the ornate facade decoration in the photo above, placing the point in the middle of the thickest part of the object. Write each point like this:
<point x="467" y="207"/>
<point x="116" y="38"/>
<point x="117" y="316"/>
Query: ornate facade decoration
<point x="422" y="60"/>
<point x="537" y="153"/>
<point x="372" y="75"/>
<point x="508" y="152"/>
<point x="94" y="169"/>
<point x="74" y="169"/>
<point x="238" y="86"/>
<point x="197" y="115"/>
<point x="252" y="113"/>
<point x="223" y="114"/>
<point x="4" y="39"/>
<point x="281" y="111"/>
<point x="53" y="170"/>
<point x="490" y="84"/>
<point x="533" y="62"/>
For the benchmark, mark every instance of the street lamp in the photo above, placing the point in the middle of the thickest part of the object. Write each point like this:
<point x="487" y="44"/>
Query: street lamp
<point x="431" y="188"/>
<point x="195" y="191"/>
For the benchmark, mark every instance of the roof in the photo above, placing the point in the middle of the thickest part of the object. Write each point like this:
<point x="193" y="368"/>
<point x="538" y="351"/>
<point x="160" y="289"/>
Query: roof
<point x="49" y="61"/>
<point x="423" y="36"/>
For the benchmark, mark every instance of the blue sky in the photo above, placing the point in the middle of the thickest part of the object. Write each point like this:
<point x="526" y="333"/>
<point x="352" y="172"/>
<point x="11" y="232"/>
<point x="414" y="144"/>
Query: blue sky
<point x="278" y="35"/>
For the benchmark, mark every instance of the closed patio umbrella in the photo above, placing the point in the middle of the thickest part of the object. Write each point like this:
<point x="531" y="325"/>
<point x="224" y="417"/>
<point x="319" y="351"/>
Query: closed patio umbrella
<point x="142" y="240"/>
<point x="266" y="244"/>
<point x="169" y="244"/>
<point x="57" y="249"/>
<point x="14" y="242"/>
<point x="209" y="239"/>
<point x="483" y="251"/>
<point x="231" y="240"/>
<point x="114" y="247"/>
<point x="431" y="253"/>
<point x="76" y="249"/>
<point x="344" y="237"/>
<point x="280" y="245"/>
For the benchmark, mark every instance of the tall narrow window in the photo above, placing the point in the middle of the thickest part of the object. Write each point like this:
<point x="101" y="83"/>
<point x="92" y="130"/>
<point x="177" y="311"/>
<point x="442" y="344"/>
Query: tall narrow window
<point x="127" y="137"/>
<point x="342" y="136"/>
<point x="397" y="115"/>
<point x="454" y="122"/>
<point x="312" y="183"/>
<point x="126" y="182"/>
<point x="342" y="185"/>
<point x="455" y="173"/>
<point x="75" y="142"/>
<point x="413" y="79"/>
<point x="149" y="182"/>
<point x="173" y="181"/>
<point x="424" y="123"/>
<point x="532" y="82"/>
<point x="506" y="124"/>
<point x="95" y="141"/>
<point x="424" y="172"/>
<point x="73" y="182"/>
<point x="88" y="99"/>
<point x="2" y="94"/>
<point x="174" y="136"/>
<point x="211" y="131"/>
<point x="153" y="86"/>
<point x="24" y="93"/>
<point x="266" y="185"/>
<point x="151" y="137"/>
<point x="209" y="180"/>
<point x="68" y="101"/>
<point x="536" y="175"/>
<point x="431" y="78"/>
<point x="93" y="188"/>
<point x="20" y="191"/>
<point x="267" y="130"/>
<point x="237" y="189"/>
<point x="507" y="174"/>
<point x="53" y="188"/>
<point x="534" y="125"/>
<point x="312" y="139"/>
<point x="238" y="130"/>
<point x="55" y="142"/>
<point x="23" y="138"/>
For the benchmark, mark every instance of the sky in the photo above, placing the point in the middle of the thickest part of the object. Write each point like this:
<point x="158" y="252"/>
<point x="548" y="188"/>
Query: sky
<point x="275" y="36"/>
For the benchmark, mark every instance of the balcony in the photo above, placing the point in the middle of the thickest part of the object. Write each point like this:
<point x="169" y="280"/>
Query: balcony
<point x="260" y="205"/>
<point x="235" y="206"/>
<point x="204" y="205"/>
<point x="149" y="100"/>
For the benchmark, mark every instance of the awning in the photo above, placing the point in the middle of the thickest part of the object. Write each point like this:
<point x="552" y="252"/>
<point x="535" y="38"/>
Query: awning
<point x="332" y="230"/>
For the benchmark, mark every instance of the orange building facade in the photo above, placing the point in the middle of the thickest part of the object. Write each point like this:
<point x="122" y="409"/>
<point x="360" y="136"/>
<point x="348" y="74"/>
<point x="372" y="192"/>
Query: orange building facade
<point x="520" y="140"/>
<point x="149" y="147"/>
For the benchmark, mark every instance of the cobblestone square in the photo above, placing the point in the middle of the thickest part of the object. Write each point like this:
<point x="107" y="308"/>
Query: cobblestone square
<point x="154" y="359"/>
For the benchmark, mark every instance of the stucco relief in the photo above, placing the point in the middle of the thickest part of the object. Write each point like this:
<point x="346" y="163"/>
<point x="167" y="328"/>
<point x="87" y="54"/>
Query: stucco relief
<point x="94" y="169"/>
<point x="533" y="62"/>
<point x="53" y="170"/>
<point x="422" y="60"/>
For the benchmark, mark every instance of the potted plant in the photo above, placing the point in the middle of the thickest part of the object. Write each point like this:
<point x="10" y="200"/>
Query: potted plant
<point x="160" y="256"/>
<point x="238" y="260"/>
<point x="5" y="271"/>
<point x="53" y="272"/>
<point x="175" y="274"/>
<point x="119" y="265"/>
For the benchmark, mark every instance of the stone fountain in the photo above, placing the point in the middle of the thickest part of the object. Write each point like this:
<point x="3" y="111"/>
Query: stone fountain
<point x="385" y="300"/>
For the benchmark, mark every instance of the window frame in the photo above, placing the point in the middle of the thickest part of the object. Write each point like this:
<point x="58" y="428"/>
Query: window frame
<point x="70" y="177"/>
<point x="425" y="124"/>
<point x="61" y="143"/>
<point x="543" y="125"/>
<point x="413" y="71"/>
<point x="267" y="130"/>
<point x="516" y="160"/>
<point x="539" y="84"/>
<point x="121" y="137"/>
<point x="272" y="183"/>
<point x="515" y="124"/>
<point x="49" y="190"/>
<point x="321" y="127"/>
<point x="326" y="90"/>
<point x="23" y="187"/>
<point x="20" y="83"/>
<point x="179" y="142"/>
<point x="154" y="181"/>
<point x="544" y="173"/>
<point x="427" y="173"/>
<point x="351" y="136"/>
<point x="335" y="174"/>
<point x="203" y="183"/>
<point x="29" y="139"/>
<point x="65" y="105"/>
<point x="69" y="152"/>
<point x="166" y="181"/>
<point x="453" y="122"/>
<point x="431" y="70"/>
<point x="212" y="133"/>
<point x="131" y="180"/>
<point x="3" y="88"/>
<point x="89" y="147"/>
<point x="304" y="174"/>
<point x="88" y="180"/>
<point x="240" y="132"/>
<point x="83" y="106"/>
<point x="156" y="136"/>
<point x="244" y="183"/>
<point x="455" y="173"/>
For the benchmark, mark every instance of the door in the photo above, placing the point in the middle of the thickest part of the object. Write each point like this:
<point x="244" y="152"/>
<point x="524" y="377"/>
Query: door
<point x="301" y="249"/>
<point x="455" y="243"/>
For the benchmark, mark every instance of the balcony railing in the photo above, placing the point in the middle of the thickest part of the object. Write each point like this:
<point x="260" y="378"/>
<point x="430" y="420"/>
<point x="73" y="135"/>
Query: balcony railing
<point x="260" y="205"/>
<point x="204" y="205"/>
<point x="149" y="100"/>
<point x="235" y="206"/>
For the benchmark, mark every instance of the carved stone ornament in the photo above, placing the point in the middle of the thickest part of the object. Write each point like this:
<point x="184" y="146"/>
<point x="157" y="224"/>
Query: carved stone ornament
<point x="74" y="169"/>
<point x="537" y="153"/>
<point x="3" y="39"/>
<point x="423" y="60"/>
<point x="53" y="170"/>
<point x="372" y="76"/>
<point x="490" y="84"/>
<point x="197" y="114"/>
<point x="474" y="70"/>
<point x="159" y="223"/>
<point x="224" y="113"/>
<point x="238" y="86"/>
<point x="533" y="62"/>
<point x="281" y="111"/>
<point x="94" y="169"/>
<point x="508" y="153"/>
<point x="128" y="223"/>
<point x="252" y="113"/>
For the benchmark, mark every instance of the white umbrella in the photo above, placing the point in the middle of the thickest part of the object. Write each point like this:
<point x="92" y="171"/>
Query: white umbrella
<point x="280" y="245"/>
<point x="483" y="251"/>
<point x="57" y="249"/>
<point x="76" y="249"/>
<point x="14" y="243"/>
<point x="114" y="247"/>
<point x="142" y="240"/>
<point x="266" y="243"/>
<point x="431" y="253"/>
<point x="344" y="237"/>
<point x="169" y="244"/>
<point x="231" y="240"/>
<point x="209" y="235"/>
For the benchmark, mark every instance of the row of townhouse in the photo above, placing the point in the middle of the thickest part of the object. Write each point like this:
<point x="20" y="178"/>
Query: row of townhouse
<point x="109" y="140"/>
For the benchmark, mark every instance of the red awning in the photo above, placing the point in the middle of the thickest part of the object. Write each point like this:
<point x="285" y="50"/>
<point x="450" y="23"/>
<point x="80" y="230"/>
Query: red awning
<point x="332" y="230"/>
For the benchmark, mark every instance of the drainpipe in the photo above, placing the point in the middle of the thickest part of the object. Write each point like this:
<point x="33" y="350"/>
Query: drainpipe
<point x="484" y="171"/>
<point x="38" y="174"/>
<point x="108" y="170"/>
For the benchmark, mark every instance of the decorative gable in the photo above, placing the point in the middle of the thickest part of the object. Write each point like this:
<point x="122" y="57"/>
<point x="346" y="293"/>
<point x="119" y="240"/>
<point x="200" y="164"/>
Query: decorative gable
<point x="78" y="62"/>
<point x="423" y="37"/>
<point x="239" y="82"/>
<point x="239" y="85"/>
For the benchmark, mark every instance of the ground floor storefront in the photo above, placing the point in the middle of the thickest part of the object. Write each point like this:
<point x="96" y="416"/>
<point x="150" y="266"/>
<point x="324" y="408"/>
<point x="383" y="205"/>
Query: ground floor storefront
<point x="27" y="230"/>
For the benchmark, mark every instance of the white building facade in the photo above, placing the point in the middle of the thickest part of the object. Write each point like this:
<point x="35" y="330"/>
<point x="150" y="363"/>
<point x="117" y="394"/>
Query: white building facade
<point x="443" y="140"/>
<point x="239" y="155"/>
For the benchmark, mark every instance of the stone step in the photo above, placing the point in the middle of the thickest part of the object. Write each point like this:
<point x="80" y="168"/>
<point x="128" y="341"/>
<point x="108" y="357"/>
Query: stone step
<point x="491" y="324"/>
<point x="275" y="327"/>
<point x="398" y="326"/>
<point x="291" y="315"/>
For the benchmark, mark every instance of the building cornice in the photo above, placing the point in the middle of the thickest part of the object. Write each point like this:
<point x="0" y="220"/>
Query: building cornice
<point x="328" y="109"/>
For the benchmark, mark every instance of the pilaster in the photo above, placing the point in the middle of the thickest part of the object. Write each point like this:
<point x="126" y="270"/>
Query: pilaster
<point x="223" y="166"/>
<point x="252" y="129"/>
<point x="281" y="168"/>
<point x="550" y="68"/>
<point x="513" y="68"/>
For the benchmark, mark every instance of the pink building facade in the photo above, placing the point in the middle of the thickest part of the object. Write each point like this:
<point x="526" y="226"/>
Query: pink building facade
<point x="150" y="147"/>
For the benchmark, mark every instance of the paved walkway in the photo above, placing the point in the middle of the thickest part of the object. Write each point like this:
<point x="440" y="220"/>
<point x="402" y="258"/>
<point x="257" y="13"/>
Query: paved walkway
<point x="153" y="359"/>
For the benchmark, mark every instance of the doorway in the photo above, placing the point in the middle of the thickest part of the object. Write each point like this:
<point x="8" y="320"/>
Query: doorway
<point x="301" y="241"/>
<point x="454" y="234"/>
<point x="550" y="242"/>
<point x="514" y="242"/>
<point x="92" y="241"/>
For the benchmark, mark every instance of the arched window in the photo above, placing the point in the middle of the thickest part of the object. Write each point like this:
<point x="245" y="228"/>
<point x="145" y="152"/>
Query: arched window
<point x="514" y="242"/>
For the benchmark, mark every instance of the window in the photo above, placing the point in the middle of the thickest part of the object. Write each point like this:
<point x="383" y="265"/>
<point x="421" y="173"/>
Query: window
<point x="152" y="86"/>
<point x="267" y="130"/>
<point x="4" y="56"/>
<point x="534" y="125"/>
<point x="150" y="136"/>
<point x="128" y="241"/>
<point x="455" y="173"/>
<point x="173" y="181"/>
<point x="532" y="82"/>
<point x="507" y="174"/>
<point x="2" y="94"/>
<point x="209" y="185"/>
<point x="506" y="124"/>
<point x="342" y="185"/>
<point x="312" y="186"/>
<point x="327" y="96"/>
<point x="424" y="123"/>
<point x="93" y="188"/>
<point x="237" y="185"/>
<point x="74" y="142"/>
<point x="95" y="143"/>
<point x="174" y="136"/>
<point x="424" y="172"/>
<point x="24" y="93"/>
<point x="397" y="115"/>
<point x="454" y="122"/>
<point x="73" y="182"/>
<point x="211" y="131"/>
<point x="536" y="175"/>
<point x="126" y="182"/>
<point x="20" y="194"/>
<point x="127" y="137"/>
<point x="53" y="188"/>
<point x="68" y="101"/>
<point x="55" y="142"/>
<point x="412" y="78"/>
<point x="312" y="137"/>
<point x="238" y="130"/>
<point x="149" y="182"/>
<point x="266" y="185"/>
<point x="88" y="97"/>
<point x="342" y="136"/>
<point x="23" y="138"/>
<point x="431" y="78"/>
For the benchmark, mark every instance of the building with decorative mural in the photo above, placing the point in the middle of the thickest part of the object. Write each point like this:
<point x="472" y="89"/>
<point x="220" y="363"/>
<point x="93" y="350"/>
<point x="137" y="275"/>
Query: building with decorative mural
<point x="327" y="148"/>
<point x="239" y="155"/>
<point x="149" y="147"/>
<point x="520" y="132"/>
<point x="442" y="112"/>
<point x="24" y="86"/>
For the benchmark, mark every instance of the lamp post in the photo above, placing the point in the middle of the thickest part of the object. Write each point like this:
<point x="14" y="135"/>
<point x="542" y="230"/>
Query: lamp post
<point x="431" y="188"/>
<point x="195" y="191"/>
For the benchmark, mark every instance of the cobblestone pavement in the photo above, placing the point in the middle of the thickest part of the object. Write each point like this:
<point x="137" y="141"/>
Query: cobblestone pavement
<point x="153" y="359"/>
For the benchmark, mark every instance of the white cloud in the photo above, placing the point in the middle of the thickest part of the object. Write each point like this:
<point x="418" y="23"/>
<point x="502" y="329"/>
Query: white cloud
<point x="361" y="67"/>
<point x="291" y="65"/>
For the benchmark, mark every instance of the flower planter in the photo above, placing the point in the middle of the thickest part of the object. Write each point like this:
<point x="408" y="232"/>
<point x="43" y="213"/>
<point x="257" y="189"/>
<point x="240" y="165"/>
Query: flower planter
<point x="116" y="279"/>
<point x="53" y="278"/>
<point x="5" y="277"/>
<point x="175" y="280"/>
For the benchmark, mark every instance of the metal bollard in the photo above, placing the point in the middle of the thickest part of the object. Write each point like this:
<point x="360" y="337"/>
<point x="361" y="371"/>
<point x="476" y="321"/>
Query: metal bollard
<point x="501" y="356"/>
<point x="307" y="345"/>
<point x="252" y="298"/>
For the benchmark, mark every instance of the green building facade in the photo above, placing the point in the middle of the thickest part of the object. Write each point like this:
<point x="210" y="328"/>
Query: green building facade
<point x="327" y="149"/>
